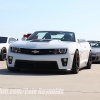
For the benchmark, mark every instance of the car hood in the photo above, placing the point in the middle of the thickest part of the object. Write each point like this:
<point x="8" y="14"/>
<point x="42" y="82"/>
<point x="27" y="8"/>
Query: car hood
<point x="42" y="44"/>
<point x="95" y="50"/>
<point x="3" y="45"/>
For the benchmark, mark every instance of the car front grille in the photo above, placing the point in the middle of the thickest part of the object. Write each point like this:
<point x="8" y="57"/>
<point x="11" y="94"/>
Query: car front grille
<point x="36" y="65"/>
<point x="93" y="58"/>
<point x="37" y="51"/>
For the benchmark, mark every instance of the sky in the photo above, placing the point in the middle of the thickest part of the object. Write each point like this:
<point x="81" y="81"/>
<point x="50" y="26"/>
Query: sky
<point x="18" y="17"/>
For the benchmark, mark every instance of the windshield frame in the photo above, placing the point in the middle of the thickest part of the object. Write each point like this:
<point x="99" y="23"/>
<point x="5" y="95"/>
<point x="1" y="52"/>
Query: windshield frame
<point x="36" y="32"/>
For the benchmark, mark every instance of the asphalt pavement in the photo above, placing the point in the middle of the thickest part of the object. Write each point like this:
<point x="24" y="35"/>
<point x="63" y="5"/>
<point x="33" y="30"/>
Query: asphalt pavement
<point x="50" y="85"/>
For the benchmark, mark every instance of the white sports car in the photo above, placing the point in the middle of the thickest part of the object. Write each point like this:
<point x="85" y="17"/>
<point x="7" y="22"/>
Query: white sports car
<point x="50" y="50"/>
<point x="4" y="45"/>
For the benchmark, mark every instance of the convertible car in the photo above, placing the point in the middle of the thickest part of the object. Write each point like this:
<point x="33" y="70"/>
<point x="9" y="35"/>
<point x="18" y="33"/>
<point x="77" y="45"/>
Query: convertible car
<point x="50" y="50"/>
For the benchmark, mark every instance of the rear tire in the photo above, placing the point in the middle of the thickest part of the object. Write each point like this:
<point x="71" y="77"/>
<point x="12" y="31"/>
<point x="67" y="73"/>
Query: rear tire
<point x="89" y="63"/>
<point x="76" y="63"/>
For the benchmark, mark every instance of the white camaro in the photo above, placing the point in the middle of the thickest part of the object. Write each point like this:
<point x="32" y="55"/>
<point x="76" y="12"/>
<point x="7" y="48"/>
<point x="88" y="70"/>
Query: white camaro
<point x="50" y="50"/>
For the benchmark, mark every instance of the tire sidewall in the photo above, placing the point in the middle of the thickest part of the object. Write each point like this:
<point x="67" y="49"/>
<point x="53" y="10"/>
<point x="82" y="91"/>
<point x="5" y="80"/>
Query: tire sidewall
<point x="75" y="68"/>
<point x="2" y="51"/>
<point x="89" y="61"/>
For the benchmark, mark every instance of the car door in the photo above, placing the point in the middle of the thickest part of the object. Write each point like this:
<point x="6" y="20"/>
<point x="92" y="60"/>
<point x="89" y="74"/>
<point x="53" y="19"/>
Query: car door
<point x="82" y="54"/>
<point x="81" y="50"/>
<point x="87" y="50"/>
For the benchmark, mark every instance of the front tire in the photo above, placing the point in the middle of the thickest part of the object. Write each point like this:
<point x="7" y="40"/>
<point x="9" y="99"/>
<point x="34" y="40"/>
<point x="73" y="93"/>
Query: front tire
<point x="3" y="54"/>
<point x="89" y="63"/>
<point x="76" y="63"/>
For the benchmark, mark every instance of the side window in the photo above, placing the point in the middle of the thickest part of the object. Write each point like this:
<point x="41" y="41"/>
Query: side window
<point x="12" y="40"/>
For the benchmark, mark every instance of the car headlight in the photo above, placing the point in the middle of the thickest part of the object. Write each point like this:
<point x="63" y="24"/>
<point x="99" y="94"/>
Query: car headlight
<point x="14" y="49"/>
<point x="60" y="51"/>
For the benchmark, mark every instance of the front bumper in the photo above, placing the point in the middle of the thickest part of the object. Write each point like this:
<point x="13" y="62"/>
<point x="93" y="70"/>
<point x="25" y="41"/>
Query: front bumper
<point x="50" y="62"/>
<point x="95" y="58"/>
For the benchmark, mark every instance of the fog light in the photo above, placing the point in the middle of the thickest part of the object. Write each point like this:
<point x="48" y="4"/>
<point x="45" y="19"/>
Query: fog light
<point x="10" y="58"/>
<point x="64" y="61"/>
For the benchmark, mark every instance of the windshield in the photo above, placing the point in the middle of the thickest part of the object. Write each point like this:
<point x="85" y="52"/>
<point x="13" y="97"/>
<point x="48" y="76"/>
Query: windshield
<point x="48" y="35"/>
<point x="3" y="39"/>
<point x="94" y="43"/>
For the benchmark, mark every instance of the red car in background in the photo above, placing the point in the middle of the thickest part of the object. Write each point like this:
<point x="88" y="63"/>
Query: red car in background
<point x="25" y="36"/>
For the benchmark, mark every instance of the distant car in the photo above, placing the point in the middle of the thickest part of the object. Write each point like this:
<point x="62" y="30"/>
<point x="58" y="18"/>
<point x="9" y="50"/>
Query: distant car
<point x="95" y="48"/>
<point x="4" y="44"/>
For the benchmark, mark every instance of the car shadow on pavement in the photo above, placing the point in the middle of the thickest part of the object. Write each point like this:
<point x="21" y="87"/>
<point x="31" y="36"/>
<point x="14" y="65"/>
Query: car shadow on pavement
<point x="95" y="62"/>
<point x="34" y="73"/>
